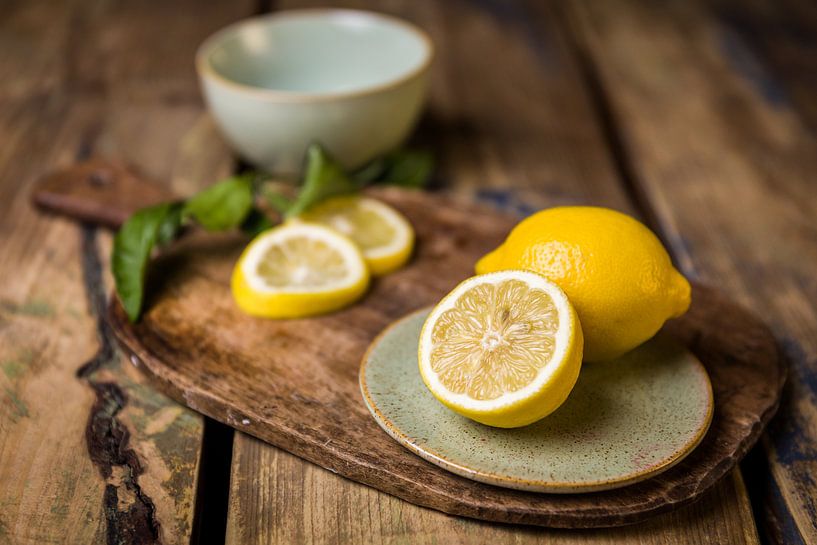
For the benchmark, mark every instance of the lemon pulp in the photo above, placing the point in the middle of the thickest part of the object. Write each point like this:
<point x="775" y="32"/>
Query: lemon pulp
<point x="495" y="339"/>
<point x="383" y="235"/>
<point x="303" y="262"/>
<point x="298" y="269"/>
<point x="503" y="349"/>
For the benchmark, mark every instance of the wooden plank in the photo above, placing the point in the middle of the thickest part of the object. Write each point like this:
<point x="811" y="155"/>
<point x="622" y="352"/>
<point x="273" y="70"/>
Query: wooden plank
<point x="772" y="42"/>
<point x="730" y="168"/>
<point x="511" y="124"/>
<point x="278" y="499"/>
<point x="103" y="456"/>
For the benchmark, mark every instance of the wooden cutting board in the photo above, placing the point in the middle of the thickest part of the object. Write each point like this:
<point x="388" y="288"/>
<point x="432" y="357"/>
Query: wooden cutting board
<point x="294" y="383"/>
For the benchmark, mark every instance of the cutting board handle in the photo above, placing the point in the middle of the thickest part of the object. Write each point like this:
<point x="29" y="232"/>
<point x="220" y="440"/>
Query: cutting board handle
<point x="98" y="191"/>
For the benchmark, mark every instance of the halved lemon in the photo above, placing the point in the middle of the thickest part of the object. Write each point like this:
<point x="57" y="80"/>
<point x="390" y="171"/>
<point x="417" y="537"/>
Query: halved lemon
<point x="298" y="269"/>
<point x="504" y="349"/>
<point x="383" y="234"/>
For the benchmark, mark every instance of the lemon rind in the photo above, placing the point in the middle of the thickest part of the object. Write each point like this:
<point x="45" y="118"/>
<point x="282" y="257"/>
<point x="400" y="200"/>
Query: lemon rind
<point x="403" y="229"/>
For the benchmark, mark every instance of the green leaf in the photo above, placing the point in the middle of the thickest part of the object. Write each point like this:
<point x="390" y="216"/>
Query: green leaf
<point x="373" y="171"/>
<point x="408" y="168"/>
<point x="132" y="246"/>
<point x="170" y="225"/>
<point x="256" y="222"/>
<point x="324" y="178"/>
<point x="222" y="206"/>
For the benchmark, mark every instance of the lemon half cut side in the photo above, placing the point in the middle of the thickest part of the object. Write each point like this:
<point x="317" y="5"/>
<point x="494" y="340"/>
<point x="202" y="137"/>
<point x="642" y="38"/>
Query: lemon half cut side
<point x="298" y="269"/>
<point x="504" y="348"/>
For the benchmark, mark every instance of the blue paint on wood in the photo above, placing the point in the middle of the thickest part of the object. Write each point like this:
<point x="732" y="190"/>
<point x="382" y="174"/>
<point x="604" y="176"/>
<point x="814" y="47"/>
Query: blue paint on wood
<point x="786" y="526"/>
<point x="791" y="438"/>
<point x="506" y="200"/>
<point x="789" y="434"/>
<point x="518" y="18"/>
<point x="748" y="65"/>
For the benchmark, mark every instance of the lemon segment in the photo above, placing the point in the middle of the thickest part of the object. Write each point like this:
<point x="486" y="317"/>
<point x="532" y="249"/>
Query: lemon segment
<point x="297" y="270"/>
<point x="504" y="349"/>
<point x="384" y="235"/>
<point x="615" y="271"/>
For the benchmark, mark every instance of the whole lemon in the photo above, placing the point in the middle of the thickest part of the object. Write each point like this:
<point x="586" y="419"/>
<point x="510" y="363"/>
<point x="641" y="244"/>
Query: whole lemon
<point x="614" y="270"/>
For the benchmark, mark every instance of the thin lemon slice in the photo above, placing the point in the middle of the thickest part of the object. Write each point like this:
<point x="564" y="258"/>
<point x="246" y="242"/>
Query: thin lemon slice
<point x="383" y="234"/>
<point x="503" y="349"/>
<point x="298" y="269"/>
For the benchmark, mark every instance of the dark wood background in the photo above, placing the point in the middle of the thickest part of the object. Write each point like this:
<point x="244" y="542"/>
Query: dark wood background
<point x="699" y="117"/>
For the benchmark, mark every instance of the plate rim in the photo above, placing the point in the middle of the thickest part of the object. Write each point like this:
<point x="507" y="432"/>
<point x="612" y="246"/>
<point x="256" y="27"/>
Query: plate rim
<point x="528" y="485"/>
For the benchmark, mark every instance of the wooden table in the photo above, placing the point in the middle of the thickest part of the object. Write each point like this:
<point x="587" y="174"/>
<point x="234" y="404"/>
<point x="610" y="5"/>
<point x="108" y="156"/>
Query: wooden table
<point x="699" y="118"/>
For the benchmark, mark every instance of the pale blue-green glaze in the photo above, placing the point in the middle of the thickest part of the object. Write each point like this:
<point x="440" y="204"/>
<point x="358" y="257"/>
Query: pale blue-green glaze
<point x="314" y="55"/>
<point x="625" y="421"/>
<point x="354" y="81"/>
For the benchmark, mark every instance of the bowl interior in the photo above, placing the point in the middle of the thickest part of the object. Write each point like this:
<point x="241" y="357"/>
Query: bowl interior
<point x="317" y="52"/>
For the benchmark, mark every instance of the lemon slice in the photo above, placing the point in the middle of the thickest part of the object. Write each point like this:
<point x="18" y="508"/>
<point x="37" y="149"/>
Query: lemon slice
<point x="383" y="234"/>
<point x="503" y="349"/>
<point x="298" y="269"/>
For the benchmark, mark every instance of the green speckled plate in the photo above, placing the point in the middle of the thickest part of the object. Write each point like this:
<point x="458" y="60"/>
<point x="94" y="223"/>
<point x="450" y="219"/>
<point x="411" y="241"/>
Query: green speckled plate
<point x="625" y="421"/>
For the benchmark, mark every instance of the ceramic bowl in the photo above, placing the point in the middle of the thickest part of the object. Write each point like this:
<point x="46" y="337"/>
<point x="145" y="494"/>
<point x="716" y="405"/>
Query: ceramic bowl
<point x="353" y="81"/>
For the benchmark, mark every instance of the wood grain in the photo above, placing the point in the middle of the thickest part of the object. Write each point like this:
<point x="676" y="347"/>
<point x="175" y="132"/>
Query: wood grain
<point x="99" y="458"/>
<point x="729" y="163"/>
<point x="98" y="191"/>
<point x="270" y="485"/>
<point x="294" y="383"/>
<point x="772" y="42"/>
<point x="512" y="124"/>
<point x="104" y="78"/>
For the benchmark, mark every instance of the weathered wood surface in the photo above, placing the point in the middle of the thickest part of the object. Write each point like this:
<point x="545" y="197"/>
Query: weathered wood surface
<point x="547" y="149"/>
<point x="772" y="42"/>
<point x="98" y="191"/>
<point x="726" y="153"/>
<point x="99" y="457"/>
<point x="278" y="499"/>
<point x="294" y="383"/>
<point x="512" y="123"/>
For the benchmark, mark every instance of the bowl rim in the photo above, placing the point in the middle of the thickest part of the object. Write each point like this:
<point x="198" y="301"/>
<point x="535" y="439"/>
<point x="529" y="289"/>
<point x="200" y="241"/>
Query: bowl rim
<point x="205" y="69"/>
